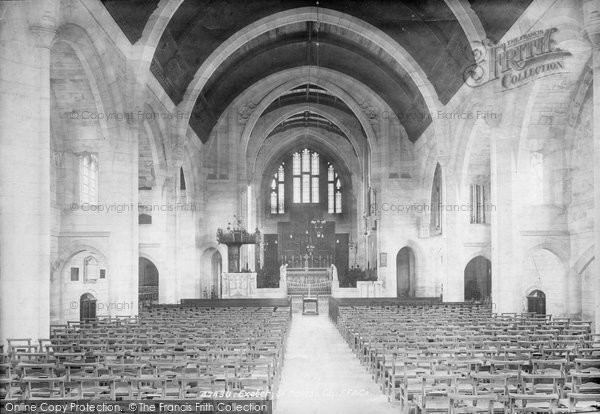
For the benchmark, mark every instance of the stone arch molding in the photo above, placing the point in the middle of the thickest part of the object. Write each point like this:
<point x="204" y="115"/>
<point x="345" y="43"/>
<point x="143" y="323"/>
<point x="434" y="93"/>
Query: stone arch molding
<point x="481" y="253"/>
<point x="335" y="18"/>
<point x="420" y="264"/>
<point x="152" y="33"/>
<point x="208" y="245"/>
<point x="253" y="102"/>
<point x="66" y="253"/>
<point x="153" y="130"/>
<point x="148" y="256"/>
<point x="529" y="290"/>
<point x="554" y="248"/>
<point x="262" y="162"/>
<point x="419" y="257"/>
<point x="480" y="131"/>
<point x="106" y="88"/>
<point x="252" y="156"/>
<point x="570" y="38"/>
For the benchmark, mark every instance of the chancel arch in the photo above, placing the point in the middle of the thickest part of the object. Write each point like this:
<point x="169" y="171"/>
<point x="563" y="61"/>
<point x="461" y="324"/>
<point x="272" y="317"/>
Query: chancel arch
<point x="307" y="207"/>
<point x="283" y="118"/>
<point x="280" y="143"/>
<point x="326" y="156"/>
<point x="353" y="94"/>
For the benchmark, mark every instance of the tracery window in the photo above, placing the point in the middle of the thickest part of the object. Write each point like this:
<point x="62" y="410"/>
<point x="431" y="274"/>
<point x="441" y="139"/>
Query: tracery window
<point x="306" y="183"/>
<point x="478" y="204"/>
<point x="306" y="176"/>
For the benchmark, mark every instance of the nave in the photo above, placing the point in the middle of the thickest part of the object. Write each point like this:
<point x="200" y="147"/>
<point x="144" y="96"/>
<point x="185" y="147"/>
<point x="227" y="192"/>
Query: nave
<point x="356" y="356"/>
<point x="321" y="374"/>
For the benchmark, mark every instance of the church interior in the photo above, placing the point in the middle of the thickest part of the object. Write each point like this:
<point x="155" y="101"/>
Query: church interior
<point x="318" y="206"/>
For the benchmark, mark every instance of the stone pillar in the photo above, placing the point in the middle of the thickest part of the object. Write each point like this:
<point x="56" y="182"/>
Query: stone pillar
<point x="452" y="275"/>
<point x="591" y="15"/>
<point x="26" y="38"/>
<point x="502" y="223"/>
<point x="233" y="258"/>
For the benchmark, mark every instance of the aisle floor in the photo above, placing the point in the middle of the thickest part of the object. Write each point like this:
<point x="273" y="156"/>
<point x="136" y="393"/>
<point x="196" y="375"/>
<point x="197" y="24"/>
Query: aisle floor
<point x="321" y="375"/>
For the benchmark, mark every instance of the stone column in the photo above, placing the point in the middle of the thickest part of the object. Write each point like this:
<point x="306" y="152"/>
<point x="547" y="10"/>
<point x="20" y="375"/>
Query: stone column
<point x="591" y="15"/>
<point x="502" y="222"/>
<point x="233" y="258"/>
<point x="26" y="38"/>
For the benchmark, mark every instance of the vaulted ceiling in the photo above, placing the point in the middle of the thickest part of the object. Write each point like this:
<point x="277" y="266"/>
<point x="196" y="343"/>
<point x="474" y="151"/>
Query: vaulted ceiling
<point x="426" y="29"/>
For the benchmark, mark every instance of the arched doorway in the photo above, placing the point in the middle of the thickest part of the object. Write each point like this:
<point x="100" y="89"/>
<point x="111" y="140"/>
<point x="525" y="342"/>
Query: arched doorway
<point x="478" y="279"/>
<point x="147" y="282"/>
<point x="536" y="302"/>
<point x="215" y="272"/>
<point x="405" y="272"/>
<point x="87" y="307"/>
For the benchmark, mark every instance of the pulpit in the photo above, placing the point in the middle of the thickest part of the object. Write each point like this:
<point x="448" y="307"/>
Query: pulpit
<point x="234" y="239"/>
<point x="236" y="284"/>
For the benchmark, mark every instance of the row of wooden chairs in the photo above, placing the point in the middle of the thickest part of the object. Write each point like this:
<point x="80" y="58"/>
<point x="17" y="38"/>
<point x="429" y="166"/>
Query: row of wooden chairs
<point x="467" y="359"/>
<point x="163" y="353"/>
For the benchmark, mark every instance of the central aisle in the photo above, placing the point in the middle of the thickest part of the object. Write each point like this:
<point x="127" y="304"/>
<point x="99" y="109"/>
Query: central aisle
<point x="322" y="376"/>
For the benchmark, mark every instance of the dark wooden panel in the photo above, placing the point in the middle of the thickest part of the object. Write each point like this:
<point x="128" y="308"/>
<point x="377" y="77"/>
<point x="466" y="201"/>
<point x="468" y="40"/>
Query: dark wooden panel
<point x="341" y="254"/>
<point x="269" y="276"/>
<point x="233" y="303"/>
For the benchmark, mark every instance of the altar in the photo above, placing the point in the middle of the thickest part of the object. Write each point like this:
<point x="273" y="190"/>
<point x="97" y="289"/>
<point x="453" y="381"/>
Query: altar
<point x="304" y="280"/>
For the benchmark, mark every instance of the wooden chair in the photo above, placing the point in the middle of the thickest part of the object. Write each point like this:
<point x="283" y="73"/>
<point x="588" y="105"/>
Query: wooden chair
<point x="196" y="387"/>
<point x="44" y="388"/>
<point x="469" y="403"/>
<point x="90" y="387"/>
<point x="583" y="402"/>
<point x="435" y="392"/>
<point x="533" y="403"/>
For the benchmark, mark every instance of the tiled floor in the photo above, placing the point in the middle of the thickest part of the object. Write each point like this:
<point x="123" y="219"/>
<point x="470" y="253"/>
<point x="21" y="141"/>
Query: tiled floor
<point x="322" y="375"/>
